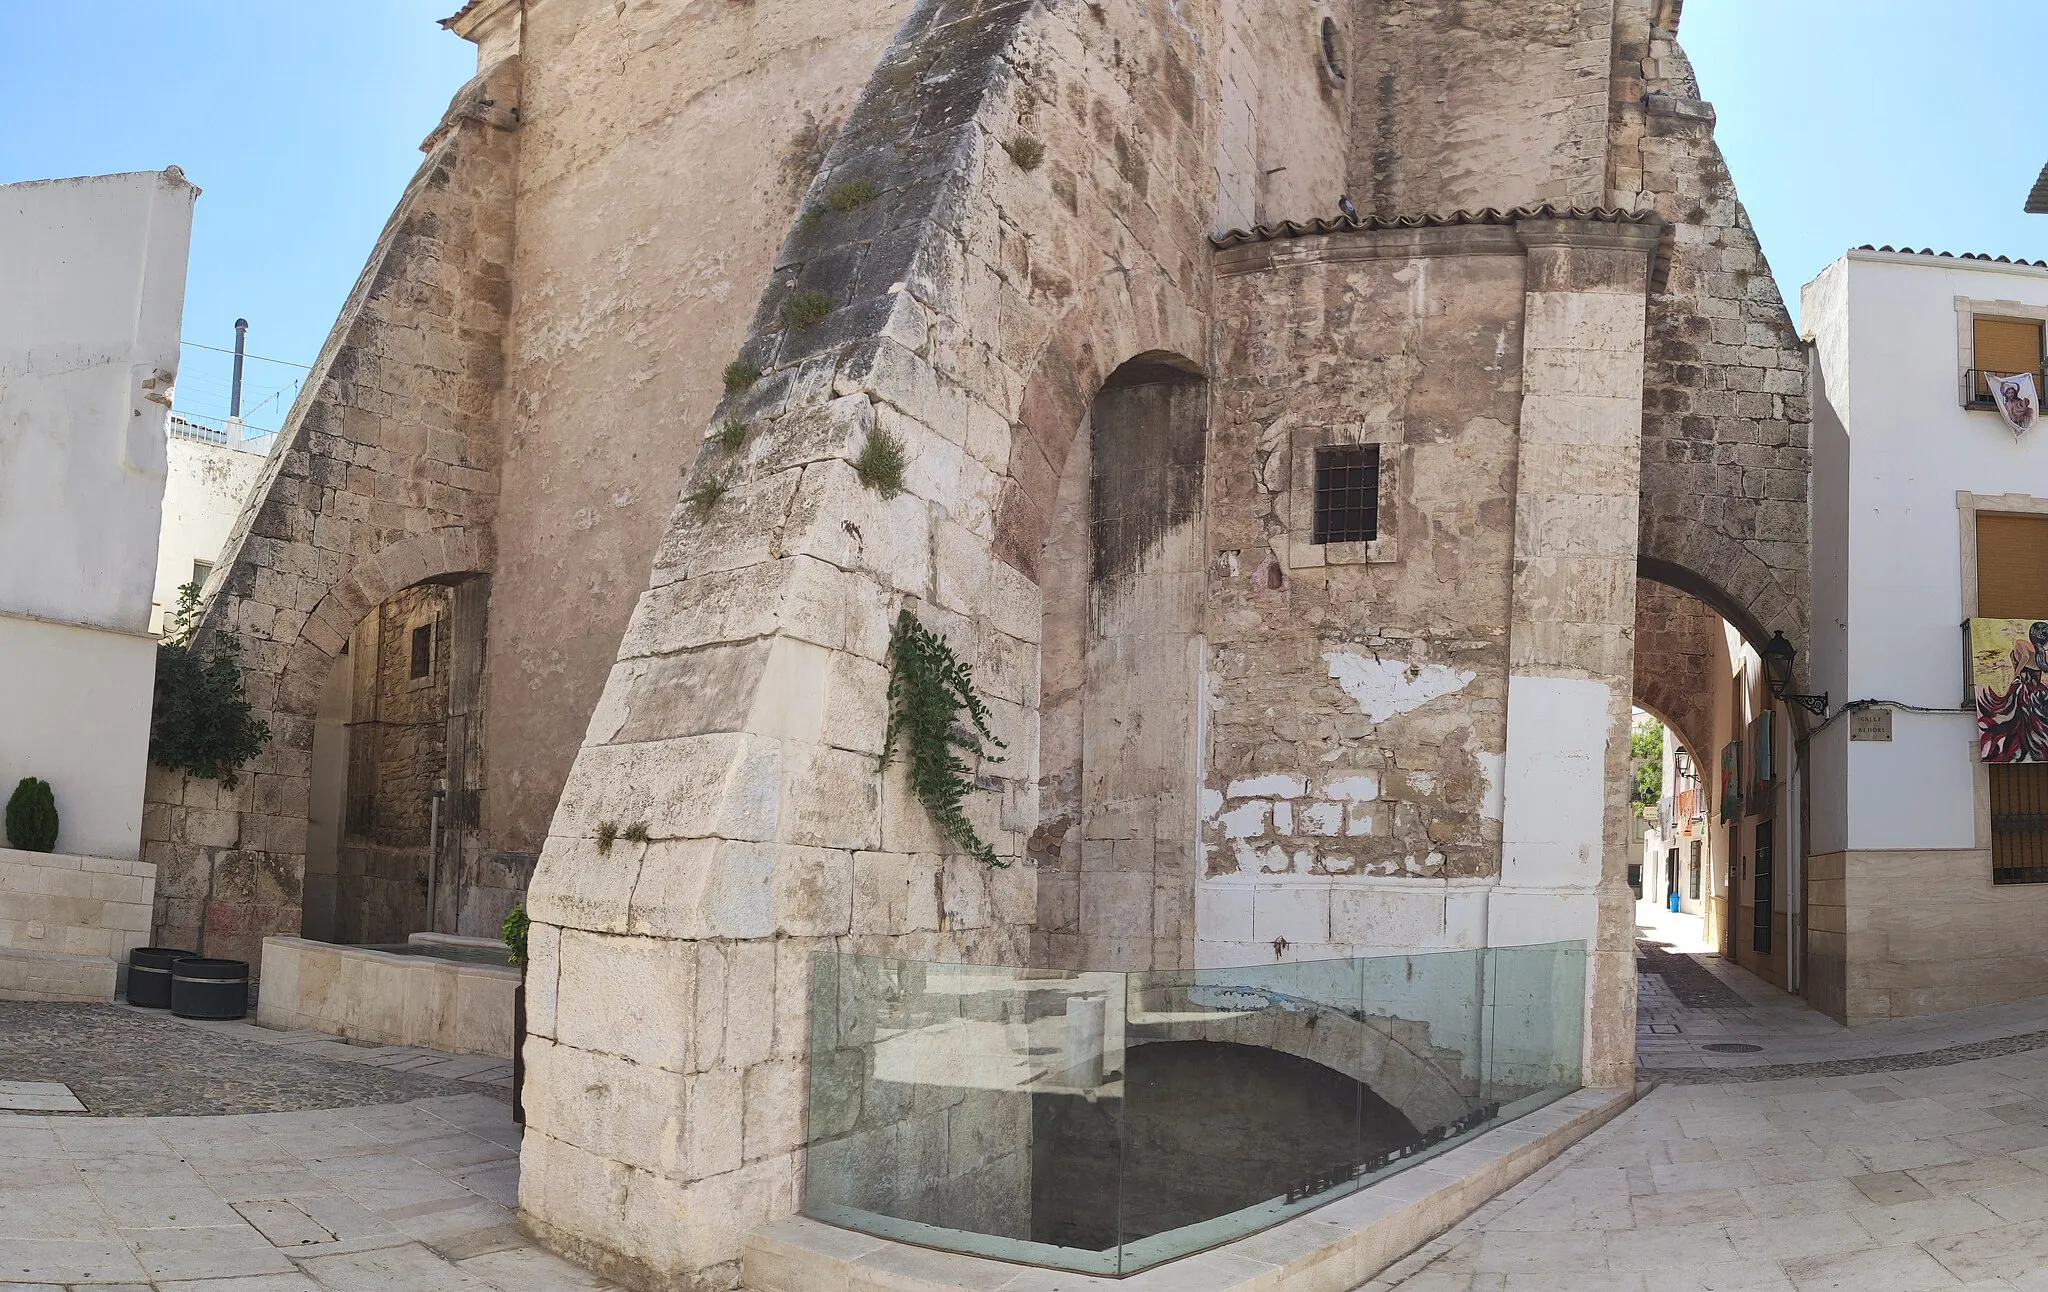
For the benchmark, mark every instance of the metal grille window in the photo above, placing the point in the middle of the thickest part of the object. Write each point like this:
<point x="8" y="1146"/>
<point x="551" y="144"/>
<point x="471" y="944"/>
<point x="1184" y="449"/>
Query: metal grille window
<point x="1347" y="494"/>
<point x="2019" y="823"/>
<point x="423" y="651"/>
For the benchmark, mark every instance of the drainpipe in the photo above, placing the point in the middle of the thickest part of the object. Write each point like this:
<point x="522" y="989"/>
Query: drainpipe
<point x="434" y="848"/>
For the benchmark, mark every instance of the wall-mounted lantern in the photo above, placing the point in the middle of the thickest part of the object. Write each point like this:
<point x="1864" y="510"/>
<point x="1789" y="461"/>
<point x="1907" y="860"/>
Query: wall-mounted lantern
<point x="1779" y="655"/>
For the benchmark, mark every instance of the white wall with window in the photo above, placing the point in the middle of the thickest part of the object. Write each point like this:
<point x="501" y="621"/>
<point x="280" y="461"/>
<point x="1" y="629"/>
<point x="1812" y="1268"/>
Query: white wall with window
<point x="210" y="476"/>
<point x="1928" y="510"/>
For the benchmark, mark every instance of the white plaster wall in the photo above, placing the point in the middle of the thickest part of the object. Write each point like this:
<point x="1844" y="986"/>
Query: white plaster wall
<point x="1824" y="305"/>
<point x="92" y="286"/>
<point x="203" y="494"/>
<point x="1911" y="446"/>
<point x="77" y="715"/>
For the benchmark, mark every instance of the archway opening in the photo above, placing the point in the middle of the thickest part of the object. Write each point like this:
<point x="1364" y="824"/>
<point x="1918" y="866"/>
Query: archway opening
<point x="392" y="809"/>
<point x="1121" y="574"/>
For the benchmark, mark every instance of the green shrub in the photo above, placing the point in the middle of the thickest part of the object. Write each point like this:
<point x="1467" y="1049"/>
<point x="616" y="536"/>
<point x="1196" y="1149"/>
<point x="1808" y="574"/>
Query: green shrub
<point x="852" y="195"/>
<point x="740" y="375"/>
<point x="32" y="817"/>
<point x="199" y="719"/>
<point x="607" y="834"/>
<point x="732" y="434"/>
<point x="1025" y="151"/>
<point x="929" y="690"/>
<point x="514" y="932"/>
<point x="635" y="833"/>
<point x="806" y="309"/>
<point x="881" y="462"/>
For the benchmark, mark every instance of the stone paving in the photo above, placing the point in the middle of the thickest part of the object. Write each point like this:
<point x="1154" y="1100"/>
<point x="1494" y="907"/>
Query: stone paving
<point x="1895" y="1158"/>
<point x="127" y="1062"/>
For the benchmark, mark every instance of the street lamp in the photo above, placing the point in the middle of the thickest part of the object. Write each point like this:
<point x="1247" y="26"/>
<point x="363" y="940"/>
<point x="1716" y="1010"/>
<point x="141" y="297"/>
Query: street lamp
<point x="1778" y="657"/>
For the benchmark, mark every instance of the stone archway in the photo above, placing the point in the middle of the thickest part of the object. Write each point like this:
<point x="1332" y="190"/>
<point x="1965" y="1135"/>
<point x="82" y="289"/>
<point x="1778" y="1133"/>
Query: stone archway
<point x="383" y="476"/>
<point x="242" y="852"/>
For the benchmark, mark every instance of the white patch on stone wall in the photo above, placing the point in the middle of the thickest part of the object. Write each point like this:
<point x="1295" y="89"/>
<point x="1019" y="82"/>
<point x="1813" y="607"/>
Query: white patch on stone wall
<point x="1323" y="818"/>
<point x="1246" y="821"/>
<point x="1555" y="789"/>
<point x="1490" y="797"/>
<point x="1212" y="803"/>
<point x="1352" y="789"/>
<point x="1283" y="818"/>
<point x="1385" y="687"/>
<point x="1272" y="786"/>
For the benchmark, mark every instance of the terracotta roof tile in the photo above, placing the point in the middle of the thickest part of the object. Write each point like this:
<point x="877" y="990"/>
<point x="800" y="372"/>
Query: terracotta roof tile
<point x="2037" y="201"/>
<point x="1952" y="255"/>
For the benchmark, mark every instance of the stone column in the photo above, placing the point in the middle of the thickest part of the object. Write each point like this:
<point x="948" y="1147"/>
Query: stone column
<point x="1565" y="822"/>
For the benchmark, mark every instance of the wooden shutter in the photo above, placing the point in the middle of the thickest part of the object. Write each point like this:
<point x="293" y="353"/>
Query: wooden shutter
<point x="2012" y="566"/>
<point x="2005" y="346"/>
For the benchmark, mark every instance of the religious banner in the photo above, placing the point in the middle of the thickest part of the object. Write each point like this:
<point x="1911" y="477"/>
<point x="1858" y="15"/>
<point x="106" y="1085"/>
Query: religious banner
<point x="2019" y="403"/>
<point x="1763" y="776"/>
<point x="2006" y="659"/>
<point x="1731" y="781"/>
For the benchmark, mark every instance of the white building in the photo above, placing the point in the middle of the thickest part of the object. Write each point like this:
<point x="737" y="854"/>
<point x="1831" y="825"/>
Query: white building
<point x="211" y="472"/>
<point x="92" y="287"/>
<point x="1926" y="864"/>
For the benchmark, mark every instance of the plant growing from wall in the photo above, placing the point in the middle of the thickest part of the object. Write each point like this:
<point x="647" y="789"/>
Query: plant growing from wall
<point x="881" y="462"/>
<point x="635" y="833"/>
<point x="731" y="434"/>
<point x="740" y="375"/>
<point x="514" y="932"/>
<point x="32" y="816"/>
<point x="199" y="720"/>
<point x="852" y="195"/>
<point x="704" y="499"/>
<point x="607" y="835"/>
<point x="1025" y="151"/>
<point x="930" y="689"/>
<point x="806" y="309"/>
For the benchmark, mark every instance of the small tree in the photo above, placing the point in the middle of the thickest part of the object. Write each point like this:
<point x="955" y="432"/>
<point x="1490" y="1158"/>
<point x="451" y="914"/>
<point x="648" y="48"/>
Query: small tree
<point x="1646" y="758"/>
<point x="199" y="722"/>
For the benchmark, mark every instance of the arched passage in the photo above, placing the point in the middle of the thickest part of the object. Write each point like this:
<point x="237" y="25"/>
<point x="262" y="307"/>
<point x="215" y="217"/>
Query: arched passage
<point x="236" y="859"/>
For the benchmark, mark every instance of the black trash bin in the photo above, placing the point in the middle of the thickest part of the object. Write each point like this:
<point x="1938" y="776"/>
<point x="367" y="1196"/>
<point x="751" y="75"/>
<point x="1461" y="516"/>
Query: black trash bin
<point x="149" y="975"/>
<point x="203" y="988"/>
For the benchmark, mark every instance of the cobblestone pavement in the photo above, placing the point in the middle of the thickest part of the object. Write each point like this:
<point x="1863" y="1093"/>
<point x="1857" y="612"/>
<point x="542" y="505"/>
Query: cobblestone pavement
<point x="411" y="1197"/>
<point x="124" y="1062"/>
<point x="1779" y="1036"/>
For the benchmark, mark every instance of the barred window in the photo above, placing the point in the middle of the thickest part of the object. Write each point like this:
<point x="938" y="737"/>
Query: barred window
<point x="423" y="651"/>
<point x="2019" y="823"/>
<point x="1347" y="494"/>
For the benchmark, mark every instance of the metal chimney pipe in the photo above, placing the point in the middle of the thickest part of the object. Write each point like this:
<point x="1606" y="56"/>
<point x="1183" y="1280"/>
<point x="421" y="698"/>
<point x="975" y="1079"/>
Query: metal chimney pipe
<point x="235" y="395"/>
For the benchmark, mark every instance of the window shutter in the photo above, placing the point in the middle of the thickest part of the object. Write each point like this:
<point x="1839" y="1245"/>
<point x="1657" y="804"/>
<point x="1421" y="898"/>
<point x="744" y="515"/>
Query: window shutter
<point x="2005" y="346"/>
<point x="2012" y="566"/>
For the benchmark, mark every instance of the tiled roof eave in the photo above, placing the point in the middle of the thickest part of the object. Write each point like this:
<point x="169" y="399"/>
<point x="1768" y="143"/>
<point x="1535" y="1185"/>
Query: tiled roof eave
<point x="1364" y="223"/>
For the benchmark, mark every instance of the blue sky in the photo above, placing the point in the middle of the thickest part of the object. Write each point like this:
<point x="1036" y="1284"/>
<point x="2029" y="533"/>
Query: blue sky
<point x="1880" y="121"/>
<point x="1844" y="121"/>
<point x="299" y="119"/>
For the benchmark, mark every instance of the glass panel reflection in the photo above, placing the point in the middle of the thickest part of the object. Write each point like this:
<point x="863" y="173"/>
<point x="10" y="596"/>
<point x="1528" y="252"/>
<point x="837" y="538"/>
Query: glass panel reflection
<point x="1104" y="1122"/>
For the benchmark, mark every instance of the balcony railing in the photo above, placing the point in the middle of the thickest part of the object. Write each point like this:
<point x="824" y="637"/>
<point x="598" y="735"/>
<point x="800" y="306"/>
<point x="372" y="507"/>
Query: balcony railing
<point x="1976" y="394"/>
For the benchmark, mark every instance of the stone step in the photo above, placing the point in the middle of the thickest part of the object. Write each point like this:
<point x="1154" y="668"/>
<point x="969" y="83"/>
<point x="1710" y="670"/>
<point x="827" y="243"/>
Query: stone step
<point x="52" y="975"/>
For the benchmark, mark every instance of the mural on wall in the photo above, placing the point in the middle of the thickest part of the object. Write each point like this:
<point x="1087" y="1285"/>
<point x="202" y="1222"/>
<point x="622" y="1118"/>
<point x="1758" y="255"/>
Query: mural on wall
<point x="2006" y="657"/>
<point x="1731" y="781"/>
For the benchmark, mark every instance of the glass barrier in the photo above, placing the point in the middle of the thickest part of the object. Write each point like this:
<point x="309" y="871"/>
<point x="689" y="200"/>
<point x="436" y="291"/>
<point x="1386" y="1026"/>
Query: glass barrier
<point x="1105" y="1122"/>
